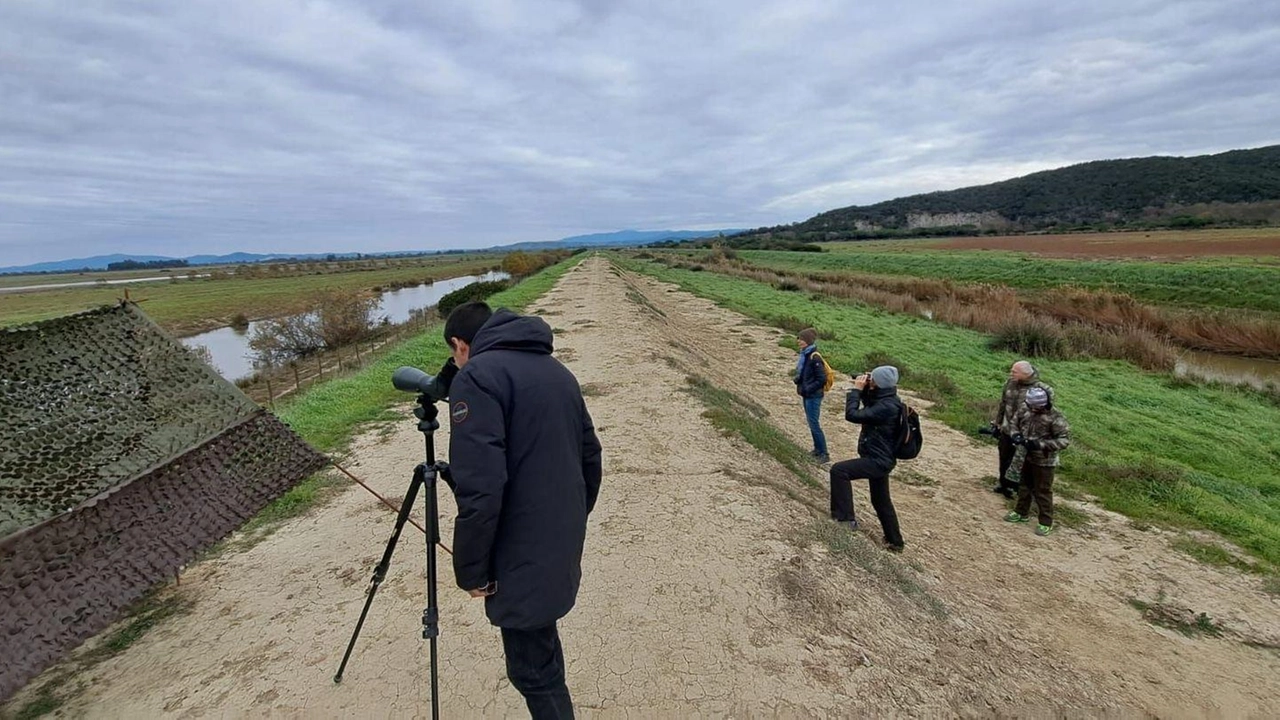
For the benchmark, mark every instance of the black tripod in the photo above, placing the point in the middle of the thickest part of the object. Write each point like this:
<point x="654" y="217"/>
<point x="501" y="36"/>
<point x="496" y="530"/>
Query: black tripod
<point x="424" y="474"/>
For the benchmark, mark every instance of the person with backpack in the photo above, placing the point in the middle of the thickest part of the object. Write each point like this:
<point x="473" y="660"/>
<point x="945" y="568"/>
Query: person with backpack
<point x="1040" y="431"/>
<point x="873" y="403"/>
<point x="813" y="379"/>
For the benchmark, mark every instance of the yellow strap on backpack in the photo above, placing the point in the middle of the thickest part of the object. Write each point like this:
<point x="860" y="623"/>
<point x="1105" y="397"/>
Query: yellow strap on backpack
<point x="830" y="371"/>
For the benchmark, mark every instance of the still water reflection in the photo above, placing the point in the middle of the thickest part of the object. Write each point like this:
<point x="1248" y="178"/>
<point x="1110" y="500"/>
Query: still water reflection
<point x="230" y="347"/>
<point x="1229" y="369"/>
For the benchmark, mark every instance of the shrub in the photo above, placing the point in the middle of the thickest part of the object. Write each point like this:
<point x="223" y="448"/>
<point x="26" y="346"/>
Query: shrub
<point x="1033" y="337"/>
<point x="470" y="293"/>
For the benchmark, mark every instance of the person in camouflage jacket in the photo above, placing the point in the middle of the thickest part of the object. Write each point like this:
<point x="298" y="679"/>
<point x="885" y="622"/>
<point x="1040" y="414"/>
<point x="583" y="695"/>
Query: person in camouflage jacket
<point x="1040" y="432"/>
<point x="1022" y="377"/>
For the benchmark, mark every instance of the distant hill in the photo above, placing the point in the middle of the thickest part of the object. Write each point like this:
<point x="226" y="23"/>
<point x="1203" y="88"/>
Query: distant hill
<point x="97" y="262"/>
<point x="1236" y="187"/>
<point x="621" y="238"/>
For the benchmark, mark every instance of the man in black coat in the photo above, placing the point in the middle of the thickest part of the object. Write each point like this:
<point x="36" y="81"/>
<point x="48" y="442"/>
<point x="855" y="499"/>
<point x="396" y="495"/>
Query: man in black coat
<point x="526" y="469"/>
<point x="872" y="403"/>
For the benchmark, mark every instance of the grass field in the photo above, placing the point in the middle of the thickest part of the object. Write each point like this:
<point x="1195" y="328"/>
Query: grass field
<point x="1262" y="242"/>
<point x="8" y="281"/>
<point x="1239" y="283"/>
<point x="186" y="306"/>
<point x="1154" y="448"/>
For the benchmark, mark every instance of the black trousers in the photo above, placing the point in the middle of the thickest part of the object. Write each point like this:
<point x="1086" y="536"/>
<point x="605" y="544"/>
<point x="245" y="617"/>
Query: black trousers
<point x="877" y="475"/>
<point x="535" y="666"/>
<point x="1007" y="449"/>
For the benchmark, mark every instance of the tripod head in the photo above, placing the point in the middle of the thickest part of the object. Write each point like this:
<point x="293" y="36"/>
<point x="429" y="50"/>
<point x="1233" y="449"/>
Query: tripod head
<point x="427" y="412"/>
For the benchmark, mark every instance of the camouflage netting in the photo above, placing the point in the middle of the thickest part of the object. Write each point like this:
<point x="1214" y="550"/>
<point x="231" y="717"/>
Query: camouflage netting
<point x="121" y="457"/>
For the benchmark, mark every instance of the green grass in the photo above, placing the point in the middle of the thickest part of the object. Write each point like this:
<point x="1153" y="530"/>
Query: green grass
<point x="190" y="305"/>
<point x="47" y="699"/>
<point x="1166" y="616"/>
<point x="1271" y="585"/>
<point x="1211" y="554"/>
<point x="856" y="549"/>
<point x="1242" y="283"/>
<point x="149" y="612"/>
<point x="1197" y="456"/>
<point x="744" y="418"/>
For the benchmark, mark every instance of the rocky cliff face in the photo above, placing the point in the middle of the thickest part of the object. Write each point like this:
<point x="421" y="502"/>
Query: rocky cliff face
<point x="984" y="220"/>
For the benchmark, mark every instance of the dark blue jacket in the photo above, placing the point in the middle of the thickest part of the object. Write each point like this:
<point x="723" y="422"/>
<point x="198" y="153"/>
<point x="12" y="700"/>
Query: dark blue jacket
<point x="812" y="377"/>
<point x="526" y="466"/>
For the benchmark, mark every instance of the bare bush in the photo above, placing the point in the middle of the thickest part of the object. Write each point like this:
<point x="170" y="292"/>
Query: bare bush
<point x="338" y="318"/>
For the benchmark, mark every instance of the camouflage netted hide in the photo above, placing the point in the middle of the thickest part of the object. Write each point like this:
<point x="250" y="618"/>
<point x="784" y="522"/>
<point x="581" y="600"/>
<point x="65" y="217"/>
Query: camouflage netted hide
<point x="122" y="456"/>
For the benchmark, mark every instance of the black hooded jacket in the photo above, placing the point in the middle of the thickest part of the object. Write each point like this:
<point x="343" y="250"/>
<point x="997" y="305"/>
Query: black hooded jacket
<point x="879" y="412"/>
<point x="526" y="466"/>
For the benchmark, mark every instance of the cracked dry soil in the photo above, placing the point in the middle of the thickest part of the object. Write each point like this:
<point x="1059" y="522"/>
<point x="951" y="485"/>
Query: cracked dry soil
<point x="711" y="582"/>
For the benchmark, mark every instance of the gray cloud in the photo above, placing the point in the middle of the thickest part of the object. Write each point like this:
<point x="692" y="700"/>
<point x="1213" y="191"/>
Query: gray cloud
<point x="312" y="125"/>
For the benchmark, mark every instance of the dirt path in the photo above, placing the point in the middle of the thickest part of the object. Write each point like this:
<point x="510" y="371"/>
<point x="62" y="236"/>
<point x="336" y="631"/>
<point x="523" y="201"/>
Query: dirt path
<point x="711" y="584"/>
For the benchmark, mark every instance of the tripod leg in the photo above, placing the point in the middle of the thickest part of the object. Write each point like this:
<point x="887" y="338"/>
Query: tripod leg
<point x="431" y="615"/>
<point x="380" y="571"/>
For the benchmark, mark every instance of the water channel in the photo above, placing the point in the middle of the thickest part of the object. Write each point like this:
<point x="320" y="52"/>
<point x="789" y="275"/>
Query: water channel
<point x="1228" y="369"/>
<point x="230" y="347"/>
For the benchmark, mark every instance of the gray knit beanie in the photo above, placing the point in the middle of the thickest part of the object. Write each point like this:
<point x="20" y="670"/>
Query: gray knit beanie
<point x="1037" y="397"/>
<point x="885" y="376"/>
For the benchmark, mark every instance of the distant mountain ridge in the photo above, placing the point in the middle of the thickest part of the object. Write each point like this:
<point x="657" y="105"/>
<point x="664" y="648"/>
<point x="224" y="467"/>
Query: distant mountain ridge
<point x="1239" y="186"/>
<point x="621" y="238"/>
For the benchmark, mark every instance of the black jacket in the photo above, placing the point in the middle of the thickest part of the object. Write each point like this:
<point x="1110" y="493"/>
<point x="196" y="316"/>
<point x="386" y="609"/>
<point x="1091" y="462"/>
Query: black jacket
<point x="526" y="466"/>
<point x="811" y="381"/>
<point x="879" y="412"/>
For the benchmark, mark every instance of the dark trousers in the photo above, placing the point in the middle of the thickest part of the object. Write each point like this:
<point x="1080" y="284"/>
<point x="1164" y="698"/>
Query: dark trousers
<point x="1007" y="449"/>
<point x="813" y="413"/>
<point x="535" y="666"/>
<point x="1037" y="484"/>
<point x="877" y="475"/>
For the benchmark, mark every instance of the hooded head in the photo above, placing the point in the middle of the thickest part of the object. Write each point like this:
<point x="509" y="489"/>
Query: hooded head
<point x="505" y="330"/>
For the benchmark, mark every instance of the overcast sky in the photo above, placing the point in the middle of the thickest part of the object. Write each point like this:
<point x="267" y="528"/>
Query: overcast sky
<point x="187" y="126"/>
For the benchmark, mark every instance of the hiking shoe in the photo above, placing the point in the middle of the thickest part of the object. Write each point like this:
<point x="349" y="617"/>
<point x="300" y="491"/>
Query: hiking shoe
<point x="823" y="458"/>
<point x="1014" y="517"/>
<point x="1002" y="490"/>
<point x="894" y="548"/>
<point x="853" y="524"/>
<point x="1043" y="530"/>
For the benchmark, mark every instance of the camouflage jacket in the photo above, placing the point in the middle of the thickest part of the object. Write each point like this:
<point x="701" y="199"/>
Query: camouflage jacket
<point x="1011" y="402"/>
<point x="1049" y="429"/>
